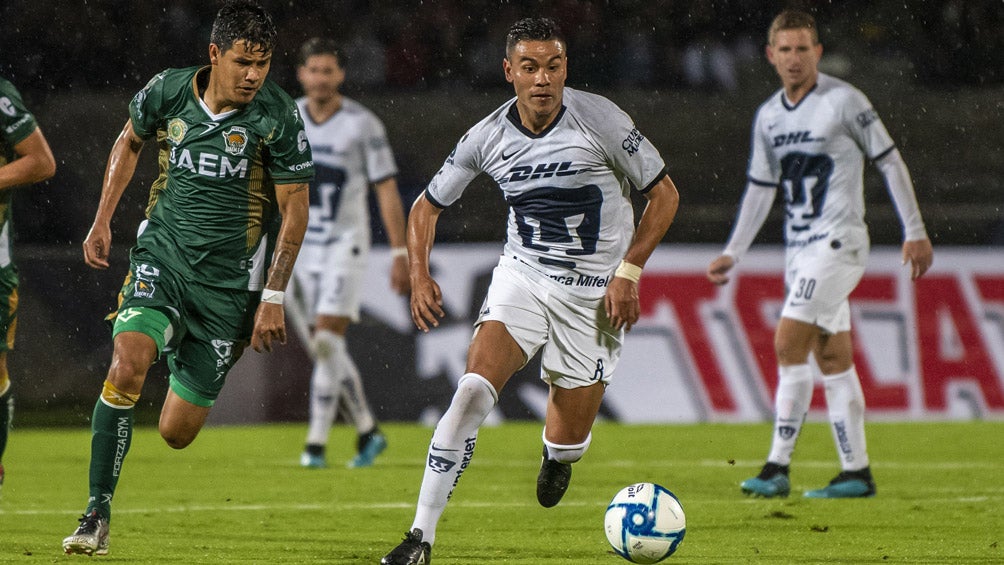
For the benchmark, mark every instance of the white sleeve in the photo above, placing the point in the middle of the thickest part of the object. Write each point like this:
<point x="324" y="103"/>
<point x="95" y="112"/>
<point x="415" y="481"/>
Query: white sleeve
<point x="900" y="186"/>
<point x="753" y="211"/>
<point x="460" y="168"/>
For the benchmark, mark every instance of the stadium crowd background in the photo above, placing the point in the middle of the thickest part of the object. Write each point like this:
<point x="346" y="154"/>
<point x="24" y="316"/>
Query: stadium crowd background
<point x="690" y="72"/>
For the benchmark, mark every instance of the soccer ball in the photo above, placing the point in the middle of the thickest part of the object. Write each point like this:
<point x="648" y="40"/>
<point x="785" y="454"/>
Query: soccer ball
<point x="645" y="523"/>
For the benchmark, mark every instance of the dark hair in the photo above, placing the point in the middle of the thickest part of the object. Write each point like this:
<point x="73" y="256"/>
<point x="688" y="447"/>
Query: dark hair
<point x="532" y="29"/>
<point x="793" y="19"/>
<point x="243" y="20"/>
<point x="321" y="46"/>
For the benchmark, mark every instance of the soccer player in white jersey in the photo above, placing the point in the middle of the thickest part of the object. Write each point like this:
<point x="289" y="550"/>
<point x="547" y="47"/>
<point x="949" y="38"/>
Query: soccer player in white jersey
<point x="351" y="154"/>
<point x="567" y="282"/>
<point x="810" y="142"/>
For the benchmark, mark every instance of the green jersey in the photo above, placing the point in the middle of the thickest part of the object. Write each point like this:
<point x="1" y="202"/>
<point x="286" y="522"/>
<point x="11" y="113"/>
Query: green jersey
<point x="213" y="206"/>
<point x="16" y="123"/>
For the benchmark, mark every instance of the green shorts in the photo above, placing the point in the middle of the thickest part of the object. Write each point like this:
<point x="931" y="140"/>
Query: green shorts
<point x="8" y="312"/>
<point x="202" y="329"/>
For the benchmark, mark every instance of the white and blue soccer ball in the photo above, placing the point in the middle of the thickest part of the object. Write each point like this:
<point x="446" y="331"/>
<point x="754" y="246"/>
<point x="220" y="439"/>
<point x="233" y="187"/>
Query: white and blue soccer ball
<point x="645" y="523"/>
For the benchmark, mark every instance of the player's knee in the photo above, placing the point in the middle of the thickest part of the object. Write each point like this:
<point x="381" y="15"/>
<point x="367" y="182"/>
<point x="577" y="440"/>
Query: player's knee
<point x="567" y="453"/>
<point x="474" y="395"/>
<point x="175" y="438"/>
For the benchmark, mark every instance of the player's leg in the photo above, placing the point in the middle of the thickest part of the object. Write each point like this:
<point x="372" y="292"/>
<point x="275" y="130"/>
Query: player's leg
<point x="577" y="363"/>
<point x="793" y="341"/>
<point x="8" y="325"/>
<point x="845" y="403"/>
<point x="326" y="382"/>
<point x="492" y="359"/>
<point x="6" y="410"/>
<point x="112" y="423"/>
<point x="511" y="327"/>
<point x="218" y="328"/>
<point x="567" y="425"/>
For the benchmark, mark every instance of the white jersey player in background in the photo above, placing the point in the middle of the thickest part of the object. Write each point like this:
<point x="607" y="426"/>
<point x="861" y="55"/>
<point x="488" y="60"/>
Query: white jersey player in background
<point x="352" y="155"/>
<point x="810" y="142"/>
<point x="567" y="281"/>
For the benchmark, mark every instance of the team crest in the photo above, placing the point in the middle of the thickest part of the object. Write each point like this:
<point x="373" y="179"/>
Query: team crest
<point x="176" y="130"/>
<point x="235" y="139"/>
<point x="144" y="289"/>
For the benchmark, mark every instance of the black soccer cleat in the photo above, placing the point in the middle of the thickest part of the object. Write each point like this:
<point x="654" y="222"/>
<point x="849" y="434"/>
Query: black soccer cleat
<point x="552" y="481"/>
<point x="411" y="551"/>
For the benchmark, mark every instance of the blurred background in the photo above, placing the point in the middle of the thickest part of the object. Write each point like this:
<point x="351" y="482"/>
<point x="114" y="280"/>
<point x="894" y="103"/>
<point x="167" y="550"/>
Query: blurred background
<point x="690" y="72"/>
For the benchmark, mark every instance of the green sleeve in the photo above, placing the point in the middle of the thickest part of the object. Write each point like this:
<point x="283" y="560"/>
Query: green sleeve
<point x="292" y="160"/>
<point x="145" y="107"/>
<point x="16" y="121"/>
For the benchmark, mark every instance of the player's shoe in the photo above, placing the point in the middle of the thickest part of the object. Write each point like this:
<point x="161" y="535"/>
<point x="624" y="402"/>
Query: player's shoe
<point x="90" y="537"/>
<point x="770" y="483"/>
<point x="411" y="551"/>
<point x="552" y="481"/>
<point x="848" y="484"/>
<point x="372" y="445"/>
<point x="313" y="457"/>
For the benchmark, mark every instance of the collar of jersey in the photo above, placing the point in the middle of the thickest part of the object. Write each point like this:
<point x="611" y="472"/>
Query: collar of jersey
<point x="789" y="107"/>
<point x="513" y="115"/>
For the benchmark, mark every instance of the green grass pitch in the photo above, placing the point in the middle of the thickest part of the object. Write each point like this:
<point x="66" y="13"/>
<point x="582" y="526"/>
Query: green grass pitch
<point x="237" y="495"/>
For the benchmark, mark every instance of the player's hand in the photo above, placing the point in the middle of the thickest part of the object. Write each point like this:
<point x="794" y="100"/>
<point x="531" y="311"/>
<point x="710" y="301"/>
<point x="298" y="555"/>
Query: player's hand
<point x="269" y="327"/>
<point x="426" y="303"/>
<point x="621" y="302"/>
<point x="719" y="268"/>
<point x="920" y="255"/>
<point x="97" y="246"/>
<point x="399" y="280"/>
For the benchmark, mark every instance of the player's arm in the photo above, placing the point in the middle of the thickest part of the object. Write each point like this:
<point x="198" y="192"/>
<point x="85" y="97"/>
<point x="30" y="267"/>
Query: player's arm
<point x="426" y="296"/>
<point x="621" y="299"/>
<point x="118" y="172"/>
<point x="34" y="163"/>
<point x="392" y="216"/>
<point x="269" y="320"/>
<point x="753" y="211"/>
<point x="917" y="248"/>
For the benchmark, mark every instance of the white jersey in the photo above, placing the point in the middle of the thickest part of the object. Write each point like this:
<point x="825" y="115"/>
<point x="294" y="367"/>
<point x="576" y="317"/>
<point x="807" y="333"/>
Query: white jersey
<point x="352" y="153"/>
<point x="570" y="216"/>
<point x="815" y="152"/>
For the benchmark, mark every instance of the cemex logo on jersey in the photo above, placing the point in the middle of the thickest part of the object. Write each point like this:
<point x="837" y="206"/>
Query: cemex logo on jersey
<point x="541" y="171"/>
<point x="796" y="137"/>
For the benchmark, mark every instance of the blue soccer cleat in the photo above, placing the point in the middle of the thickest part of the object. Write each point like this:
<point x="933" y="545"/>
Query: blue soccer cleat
<point x="772" y="482"/>
<point x="373" y="445"/>
<point x="848" y="484"/>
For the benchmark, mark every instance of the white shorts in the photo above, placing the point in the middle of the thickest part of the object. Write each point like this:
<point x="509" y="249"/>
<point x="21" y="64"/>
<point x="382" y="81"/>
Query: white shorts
<point x="818" y="279"/>
<point x="330" y="279"/>
<point x="580" y="347"/>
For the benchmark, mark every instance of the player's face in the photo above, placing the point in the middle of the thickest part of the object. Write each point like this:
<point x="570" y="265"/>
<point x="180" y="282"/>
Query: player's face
<point x="321" y="76"/>
<point x="537" y="70"/>
<point x="239" y="72"/>
<point x="795" y="56"/>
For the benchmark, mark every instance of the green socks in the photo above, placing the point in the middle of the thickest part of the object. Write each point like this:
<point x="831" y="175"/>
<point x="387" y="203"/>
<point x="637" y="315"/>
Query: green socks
<point x="111" y="434"/>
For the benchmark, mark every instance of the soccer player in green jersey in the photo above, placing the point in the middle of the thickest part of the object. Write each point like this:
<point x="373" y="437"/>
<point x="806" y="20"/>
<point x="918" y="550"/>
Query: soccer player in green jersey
<point x="25" y="158"/>
<point x="224" y="225"/>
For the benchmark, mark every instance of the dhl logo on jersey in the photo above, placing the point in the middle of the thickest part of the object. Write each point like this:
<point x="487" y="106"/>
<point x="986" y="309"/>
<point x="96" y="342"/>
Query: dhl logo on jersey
<point x="542" y="170"/>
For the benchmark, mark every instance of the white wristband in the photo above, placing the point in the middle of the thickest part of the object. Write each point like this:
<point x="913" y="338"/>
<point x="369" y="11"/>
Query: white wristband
<point x="396" y="252"/>
<point x="628" y="271"/>
<point x="273" y="296"/>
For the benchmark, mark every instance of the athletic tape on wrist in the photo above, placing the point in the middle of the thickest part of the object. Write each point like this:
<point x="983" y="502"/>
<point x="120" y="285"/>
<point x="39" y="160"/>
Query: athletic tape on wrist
<point x="273" y="296"/>
<point x="396" y="252"/>
<point x="628" y="271"/>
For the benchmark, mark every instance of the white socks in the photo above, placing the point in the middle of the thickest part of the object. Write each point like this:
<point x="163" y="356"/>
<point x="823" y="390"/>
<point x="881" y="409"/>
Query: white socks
<point x="451" y="449"/>
<point x="325" y="386"/>
<point x="566" y="453"/>
<point x="846" y="405"/>
<point x="791" y="404"/>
